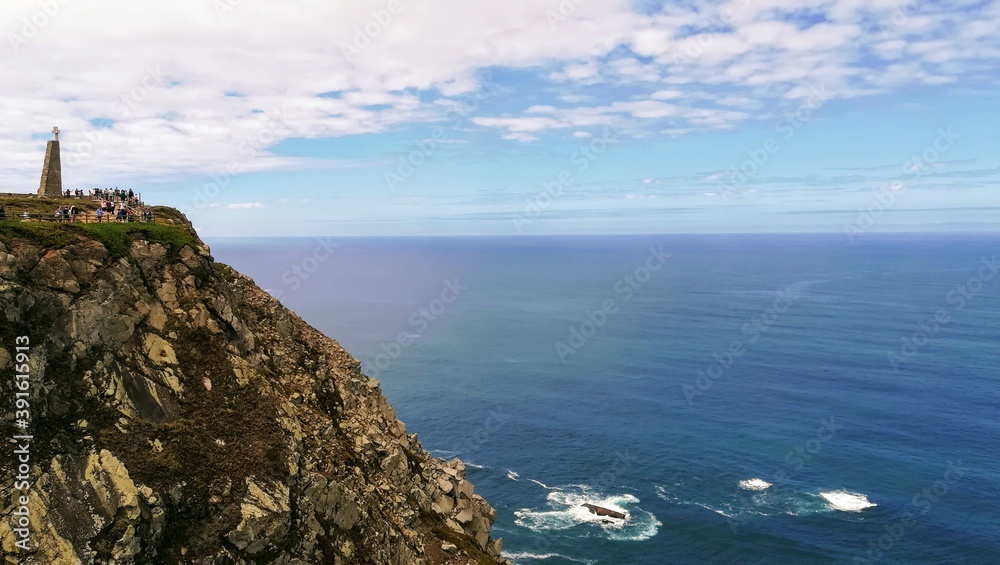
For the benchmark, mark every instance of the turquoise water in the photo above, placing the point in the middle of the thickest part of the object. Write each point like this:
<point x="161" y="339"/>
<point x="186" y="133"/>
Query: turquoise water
<point x="858" y="383"/>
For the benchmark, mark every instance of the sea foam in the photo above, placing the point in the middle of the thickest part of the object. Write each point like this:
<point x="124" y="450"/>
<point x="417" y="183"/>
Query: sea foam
<point x="514" y="557"/>
<point x="754" y="484"/>
<point x="564" y="509"/>
<point x="847" y="501"/>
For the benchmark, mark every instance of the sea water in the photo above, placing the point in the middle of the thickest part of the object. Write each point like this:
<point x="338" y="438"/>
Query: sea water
<point x="744" y="399"/>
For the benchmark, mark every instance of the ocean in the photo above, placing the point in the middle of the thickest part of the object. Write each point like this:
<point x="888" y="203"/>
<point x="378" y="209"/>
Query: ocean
<point x="744" y="399"/>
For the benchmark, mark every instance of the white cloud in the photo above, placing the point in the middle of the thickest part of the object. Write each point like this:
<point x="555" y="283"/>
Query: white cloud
<point x="245" y="206"/>
<point x="517" y="136"/>
<point x="190" y="90"/>
<point x="667" y="94"/>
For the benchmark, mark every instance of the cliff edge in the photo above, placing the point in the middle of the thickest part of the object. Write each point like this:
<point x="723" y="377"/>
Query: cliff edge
<point x="180" y="414"/>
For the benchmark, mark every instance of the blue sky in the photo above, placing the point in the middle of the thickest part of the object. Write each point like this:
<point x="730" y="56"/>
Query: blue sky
<point x="586" y="116"/>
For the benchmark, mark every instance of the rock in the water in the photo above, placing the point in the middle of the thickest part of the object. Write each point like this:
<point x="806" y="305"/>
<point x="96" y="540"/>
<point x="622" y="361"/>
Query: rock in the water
<point x="601" y="511"/>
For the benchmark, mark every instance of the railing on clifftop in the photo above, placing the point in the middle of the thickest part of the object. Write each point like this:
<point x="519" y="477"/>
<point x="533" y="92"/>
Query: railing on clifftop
<point x="80" y="218"/>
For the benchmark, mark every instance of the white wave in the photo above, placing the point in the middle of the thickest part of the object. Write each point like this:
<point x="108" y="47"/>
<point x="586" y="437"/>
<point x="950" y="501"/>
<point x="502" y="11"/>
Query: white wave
<point x="471" y="465"/>
<point x="543" y="485"/>
<point x="716" y="510"/>
<point x="542" y="556"/>
<point x="663" y="494"/>
<point x="847" y="501"/>
<point x="564" y="509"/>
<point x="754" y="484"/>
<point x="512" y="475"/>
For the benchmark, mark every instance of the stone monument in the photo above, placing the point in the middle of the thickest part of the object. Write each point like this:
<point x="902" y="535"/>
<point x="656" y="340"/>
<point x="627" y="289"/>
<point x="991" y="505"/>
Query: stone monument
<point x="52" y="169"/>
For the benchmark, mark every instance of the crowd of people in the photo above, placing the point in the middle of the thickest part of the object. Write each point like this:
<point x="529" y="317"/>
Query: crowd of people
<point x="120" y="212"/>
<point x="113" y="205"/>
<point x="66" y="213"/>
<point x="109" y="194"/>
<point x="123" y="212"/>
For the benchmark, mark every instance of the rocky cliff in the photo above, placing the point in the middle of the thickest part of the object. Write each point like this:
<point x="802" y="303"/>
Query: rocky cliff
<point x="180" y="414"/>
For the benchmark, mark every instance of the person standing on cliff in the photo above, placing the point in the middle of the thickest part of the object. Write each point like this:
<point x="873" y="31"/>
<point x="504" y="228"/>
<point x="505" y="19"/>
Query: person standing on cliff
<point x="100" y="214"/>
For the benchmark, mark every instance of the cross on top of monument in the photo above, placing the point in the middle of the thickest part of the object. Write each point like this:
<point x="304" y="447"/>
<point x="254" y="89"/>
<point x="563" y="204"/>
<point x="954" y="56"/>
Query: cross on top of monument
<point x="55" y="132"/>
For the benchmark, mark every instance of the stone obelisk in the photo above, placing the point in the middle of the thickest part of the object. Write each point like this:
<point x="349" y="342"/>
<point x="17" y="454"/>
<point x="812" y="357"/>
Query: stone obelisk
<point x="52" y="170"/>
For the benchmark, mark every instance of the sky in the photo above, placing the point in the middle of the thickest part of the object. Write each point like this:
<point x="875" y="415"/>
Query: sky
<point x="522" y="117"/>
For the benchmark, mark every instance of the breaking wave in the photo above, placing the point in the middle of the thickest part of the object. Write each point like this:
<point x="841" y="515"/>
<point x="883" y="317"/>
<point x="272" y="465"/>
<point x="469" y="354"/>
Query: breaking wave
<point x="754" y="484"/>
<point x="847" y="501"/>
<point x="514" y="557"/>
<point x="564" y="510"/>
<point x="541" y="484"/>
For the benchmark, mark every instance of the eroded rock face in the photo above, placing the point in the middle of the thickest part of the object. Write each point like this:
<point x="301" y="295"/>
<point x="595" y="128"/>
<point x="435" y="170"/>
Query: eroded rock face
<point x="183" y="415"/>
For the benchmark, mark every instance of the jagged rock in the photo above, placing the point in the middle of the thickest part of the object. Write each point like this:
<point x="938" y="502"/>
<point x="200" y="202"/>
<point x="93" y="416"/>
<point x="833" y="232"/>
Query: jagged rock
<point x="446" y="503"/>
<point x="465" y="516"/>
<point x="464" y="488"/>
<point x="181" y="414"/>
<point x="159" y="350"/>
<point x="445" y="485"/>
<point x="455" y="468"/>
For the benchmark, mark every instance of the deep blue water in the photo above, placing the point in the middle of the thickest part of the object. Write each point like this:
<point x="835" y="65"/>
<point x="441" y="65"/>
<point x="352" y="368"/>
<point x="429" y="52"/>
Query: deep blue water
<point x="804" y="394"/>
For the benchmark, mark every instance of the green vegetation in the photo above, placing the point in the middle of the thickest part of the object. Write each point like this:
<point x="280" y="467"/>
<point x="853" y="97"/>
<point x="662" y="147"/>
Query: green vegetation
<point x="48" y="234"/>
<point x="17" y="205"/>
<point x="171" y="229"/>
<point x="168" y="215"/>
<point x="118" y="237"/>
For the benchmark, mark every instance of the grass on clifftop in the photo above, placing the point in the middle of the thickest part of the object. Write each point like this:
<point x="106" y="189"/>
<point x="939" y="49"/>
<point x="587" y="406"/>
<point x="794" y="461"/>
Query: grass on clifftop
<point x="47" y="234"/>
<point x="116" y="237"/>
<point x="34" y="205"/>
<point x="171" y="229"/>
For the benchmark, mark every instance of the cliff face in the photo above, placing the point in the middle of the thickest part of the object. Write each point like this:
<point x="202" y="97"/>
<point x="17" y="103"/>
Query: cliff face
<point x="181" y="415"/>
